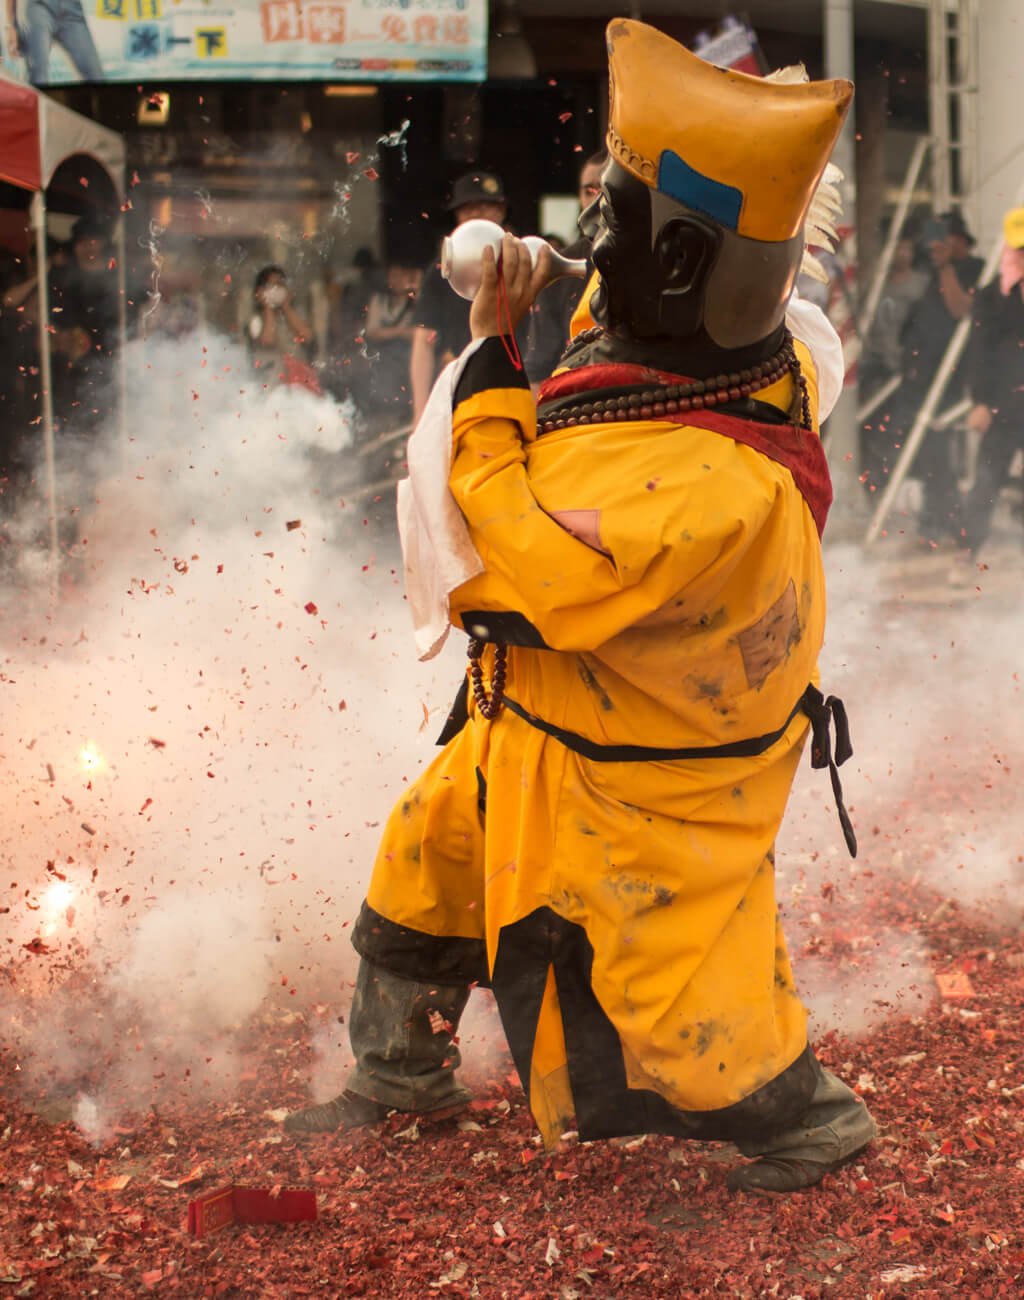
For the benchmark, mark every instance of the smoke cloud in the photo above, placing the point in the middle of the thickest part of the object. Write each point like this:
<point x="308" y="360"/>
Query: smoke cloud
<point x="206" y="728"/>
<point x="931" y="683"/>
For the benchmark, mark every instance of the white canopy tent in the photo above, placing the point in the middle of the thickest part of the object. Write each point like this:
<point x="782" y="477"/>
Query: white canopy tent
<point x="41" y="142"/>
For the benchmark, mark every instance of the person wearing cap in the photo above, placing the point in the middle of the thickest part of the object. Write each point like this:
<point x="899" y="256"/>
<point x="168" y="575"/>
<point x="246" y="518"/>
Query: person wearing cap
<point x="551" y="315"/>
<point x="441" y="317"/>
<point x="995" y="377"/>
<point x="949" y="245"/>
<point x="596" y="839"/>
<point x="926" y="333"/>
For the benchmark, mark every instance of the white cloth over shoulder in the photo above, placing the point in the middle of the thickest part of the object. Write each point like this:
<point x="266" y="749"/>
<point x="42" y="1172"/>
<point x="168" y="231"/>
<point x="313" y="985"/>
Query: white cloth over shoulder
<point x="808" y="323"/>
<point x="437" y="549"/>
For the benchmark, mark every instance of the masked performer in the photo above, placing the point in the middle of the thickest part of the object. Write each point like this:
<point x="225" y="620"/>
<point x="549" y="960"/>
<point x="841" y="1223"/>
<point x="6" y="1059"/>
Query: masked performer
<point x="596" y="839"/>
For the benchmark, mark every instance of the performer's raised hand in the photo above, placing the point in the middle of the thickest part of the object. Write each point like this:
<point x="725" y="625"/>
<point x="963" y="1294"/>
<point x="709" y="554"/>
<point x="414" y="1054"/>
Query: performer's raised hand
<point x="508" y="287"/>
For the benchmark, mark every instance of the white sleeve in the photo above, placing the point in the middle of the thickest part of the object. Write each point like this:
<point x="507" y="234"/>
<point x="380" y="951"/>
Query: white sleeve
<point x="813" y="328"/>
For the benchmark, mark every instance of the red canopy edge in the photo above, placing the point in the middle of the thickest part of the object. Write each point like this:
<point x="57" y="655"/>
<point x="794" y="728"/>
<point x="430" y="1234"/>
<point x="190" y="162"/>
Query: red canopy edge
<point x="20" y="158"/>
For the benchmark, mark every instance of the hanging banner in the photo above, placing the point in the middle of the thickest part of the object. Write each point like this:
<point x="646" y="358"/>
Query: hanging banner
<point x="733" y="46"/>
<point x="57" y="42"/>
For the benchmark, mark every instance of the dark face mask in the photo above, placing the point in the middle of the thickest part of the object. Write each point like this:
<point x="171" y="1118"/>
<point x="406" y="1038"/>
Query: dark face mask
<point x="653" y="267"/>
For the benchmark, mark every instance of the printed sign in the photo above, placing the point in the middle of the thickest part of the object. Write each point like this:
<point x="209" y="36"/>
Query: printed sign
<point x="331" y="40"/>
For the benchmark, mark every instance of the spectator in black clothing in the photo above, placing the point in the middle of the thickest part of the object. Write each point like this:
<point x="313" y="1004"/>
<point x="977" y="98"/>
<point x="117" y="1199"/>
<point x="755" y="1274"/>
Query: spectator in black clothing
<point x="348" y="370"/>
<point x="85" y="316"/>
<point x="882" y="358"/>
<point x="442" y="317"/>
<point x="995" y="376"/>
<point x="355" y="298"/>
<point x="19" y="356"/>
<point x="929" y="326"/>
<point x="389" y="333"/>
<point x="548" y="329"/>
<point x="904" y="285"/>
<point x="20" y="391"/>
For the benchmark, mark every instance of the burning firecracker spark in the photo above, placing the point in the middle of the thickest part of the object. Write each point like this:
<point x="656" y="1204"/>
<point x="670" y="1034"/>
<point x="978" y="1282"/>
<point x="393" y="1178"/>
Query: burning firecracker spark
<point x="59" y="895"/>
<point x="90" y="758"/>
<point x="57" y="900"/>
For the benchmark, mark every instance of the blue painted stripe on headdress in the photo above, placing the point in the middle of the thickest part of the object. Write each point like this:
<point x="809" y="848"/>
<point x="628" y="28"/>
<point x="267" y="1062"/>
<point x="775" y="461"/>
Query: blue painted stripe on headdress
<point x="677" y="179"/>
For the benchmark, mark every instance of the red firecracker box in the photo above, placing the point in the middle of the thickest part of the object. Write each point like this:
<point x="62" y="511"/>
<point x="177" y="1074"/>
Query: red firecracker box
<point x="216" y="1210"/>
<point x="955" y="984"/>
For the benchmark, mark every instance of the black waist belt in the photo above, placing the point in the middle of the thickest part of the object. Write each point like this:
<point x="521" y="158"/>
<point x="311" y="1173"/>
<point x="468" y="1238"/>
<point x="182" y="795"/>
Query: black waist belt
<point x="651" y="753"/>
<point x="821" y="710"/>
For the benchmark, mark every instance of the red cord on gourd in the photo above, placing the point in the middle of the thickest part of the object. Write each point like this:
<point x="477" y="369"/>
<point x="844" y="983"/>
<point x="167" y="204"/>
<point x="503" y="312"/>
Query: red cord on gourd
<point x="511" y="352"/>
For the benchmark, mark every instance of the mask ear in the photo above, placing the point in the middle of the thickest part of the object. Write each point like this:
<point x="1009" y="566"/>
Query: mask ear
<point x="685" y="250"/>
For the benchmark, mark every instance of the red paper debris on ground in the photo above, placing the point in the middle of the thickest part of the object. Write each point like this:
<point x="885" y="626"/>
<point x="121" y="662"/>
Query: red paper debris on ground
<point x="474" y="1207"/>
<point x="933" y="1209"/>
<point x="216" y="1210"/>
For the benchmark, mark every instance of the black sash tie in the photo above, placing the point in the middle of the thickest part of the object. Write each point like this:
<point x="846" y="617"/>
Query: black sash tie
<point x="821" y="710"/>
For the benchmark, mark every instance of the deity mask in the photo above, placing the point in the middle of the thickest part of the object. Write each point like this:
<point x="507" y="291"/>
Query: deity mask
<point x="698" y="231"/>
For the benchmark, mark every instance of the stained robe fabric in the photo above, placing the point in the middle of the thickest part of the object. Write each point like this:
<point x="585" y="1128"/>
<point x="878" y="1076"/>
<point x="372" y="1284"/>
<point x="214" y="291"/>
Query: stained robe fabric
<point x="601" y="853"/>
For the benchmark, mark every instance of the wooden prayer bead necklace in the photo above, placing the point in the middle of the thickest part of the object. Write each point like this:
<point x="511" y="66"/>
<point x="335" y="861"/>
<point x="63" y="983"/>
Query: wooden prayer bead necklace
<point x="488" y="705"/>
<point x="699" y="394"/>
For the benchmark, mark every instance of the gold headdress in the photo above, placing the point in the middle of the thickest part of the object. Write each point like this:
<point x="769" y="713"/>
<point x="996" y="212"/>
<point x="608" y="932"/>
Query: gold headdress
<point x="747" y="152"/>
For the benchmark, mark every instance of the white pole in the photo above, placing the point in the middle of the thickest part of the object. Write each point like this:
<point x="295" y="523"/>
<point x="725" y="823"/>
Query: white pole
<point x="841" y="427"/>
<point x="122" y="357"/>
<point x="46" y="377"/>
<point x="899" y="218"/>
<point x="970" y="88"/>
<point x="938" y="96"/>
<point x="877" y="398"/>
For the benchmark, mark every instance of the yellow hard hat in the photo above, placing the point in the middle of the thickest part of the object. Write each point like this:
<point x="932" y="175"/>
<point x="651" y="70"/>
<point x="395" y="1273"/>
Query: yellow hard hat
<point x="746" y="152"/>
<point x="1013" y="228"/>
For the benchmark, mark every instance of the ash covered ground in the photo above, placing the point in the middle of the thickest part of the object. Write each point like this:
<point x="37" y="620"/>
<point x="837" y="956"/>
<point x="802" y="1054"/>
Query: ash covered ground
<point x="201" y="738"/>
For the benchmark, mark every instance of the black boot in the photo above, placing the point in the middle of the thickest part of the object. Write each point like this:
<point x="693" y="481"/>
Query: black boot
<point x="834" y="1129"/>
<point x="783" y="1174"/>
<point x="349" y="1110"/>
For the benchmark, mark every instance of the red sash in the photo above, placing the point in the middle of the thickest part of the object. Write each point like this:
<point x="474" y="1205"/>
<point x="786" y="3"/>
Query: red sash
<point x="799" y="450"/>
<point x="607" y="374"/>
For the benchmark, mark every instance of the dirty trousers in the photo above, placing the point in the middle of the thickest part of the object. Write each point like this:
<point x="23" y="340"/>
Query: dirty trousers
<point x="406" y="1058"/>
<point x="402" y="1036"/>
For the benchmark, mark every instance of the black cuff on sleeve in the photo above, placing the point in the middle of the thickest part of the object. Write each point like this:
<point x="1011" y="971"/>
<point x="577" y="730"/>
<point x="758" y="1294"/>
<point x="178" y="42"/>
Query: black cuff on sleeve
<point x="507" y="626"/>
<point x="490" y="366"/>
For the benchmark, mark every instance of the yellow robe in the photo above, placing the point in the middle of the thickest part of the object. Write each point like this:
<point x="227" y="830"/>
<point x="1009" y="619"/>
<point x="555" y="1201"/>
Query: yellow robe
<point x="622" y="907"/>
